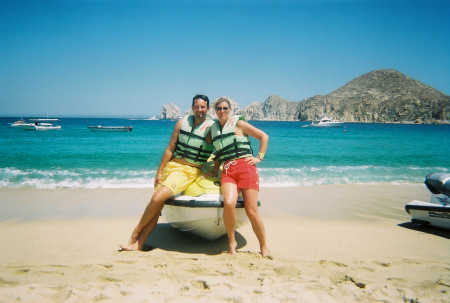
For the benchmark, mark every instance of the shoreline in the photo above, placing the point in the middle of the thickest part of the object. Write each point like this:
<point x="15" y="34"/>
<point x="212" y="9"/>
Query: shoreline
<point x="330" y="243"/>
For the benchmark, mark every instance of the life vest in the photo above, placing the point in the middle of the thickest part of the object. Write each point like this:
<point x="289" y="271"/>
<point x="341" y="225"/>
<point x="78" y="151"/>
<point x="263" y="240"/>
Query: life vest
<point x="191" y="144"/>
<point x="228" y="146"/>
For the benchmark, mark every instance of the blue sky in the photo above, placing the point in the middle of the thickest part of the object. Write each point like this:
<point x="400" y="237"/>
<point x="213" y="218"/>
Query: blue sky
<point x="129" y="58"/>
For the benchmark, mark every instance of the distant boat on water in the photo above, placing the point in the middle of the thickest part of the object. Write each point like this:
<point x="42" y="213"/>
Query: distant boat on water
<point x="325" y="121"/>
<point x="100" y="128"/>
<point x="145" y="119"/>
<point x="20" y="123"/>
<point x="41" y="124"/>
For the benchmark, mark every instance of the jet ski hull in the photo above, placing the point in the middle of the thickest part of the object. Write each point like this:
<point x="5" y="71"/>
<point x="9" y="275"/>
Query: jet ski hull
<point x="426" y="213"/>
<point x="437" y="211"/>
<point x="199" y="210"/>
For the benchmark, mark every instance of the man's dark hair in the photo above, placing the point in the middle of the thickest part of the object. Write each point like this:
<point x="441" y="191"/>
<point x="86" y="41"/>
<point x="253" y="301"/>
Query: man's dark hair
<point x="203" y="97"/>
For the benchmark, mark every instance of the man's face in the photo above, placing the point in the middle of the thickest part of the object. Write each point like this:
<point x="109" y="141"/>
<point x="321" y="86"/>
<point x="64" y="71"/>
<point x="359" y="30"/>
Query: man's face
<point x="200" y="108"/>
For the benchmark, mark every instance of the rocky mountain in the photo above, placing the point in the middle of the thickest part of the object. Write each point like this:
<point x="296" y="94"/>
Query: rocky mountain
<point x="381" y="96"/>
<point x="170" y="111"/>
<point x="274" y="108"/>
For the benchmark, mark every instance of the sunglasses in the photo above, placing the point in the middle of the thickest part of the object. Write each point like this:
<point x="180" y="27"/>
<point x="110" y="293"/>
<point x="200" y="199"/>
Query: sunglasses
<point x="222" y="108"/>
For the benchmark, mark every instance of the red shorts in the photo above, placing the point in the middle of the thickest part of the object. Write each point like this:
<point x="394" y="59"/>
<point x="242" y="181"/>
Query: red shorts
<point x="241" y="173"/>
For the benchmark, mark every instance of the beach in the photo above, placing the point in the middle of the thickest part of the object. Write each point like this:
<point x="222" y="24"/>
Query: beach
<point x="329" y="243"/>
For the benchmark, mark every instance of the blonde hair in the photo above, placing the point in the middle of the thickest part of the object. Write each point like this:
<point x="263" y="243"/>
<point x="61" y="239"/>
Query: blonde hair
<point x="222" y="99"/>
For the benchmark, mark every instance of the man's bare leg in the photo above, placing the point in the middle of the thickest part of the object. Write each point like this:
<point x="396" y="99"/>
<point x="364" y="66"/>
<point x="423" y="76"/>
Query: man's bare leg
<point x="148" y="220"/>
<point x="230" y="195"/>
<point x="251" y="209"/>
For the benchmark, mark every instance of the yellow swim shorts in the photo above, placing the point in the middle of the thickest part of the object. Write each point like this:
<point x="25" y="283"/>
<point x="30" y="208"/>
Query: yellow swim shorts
<point x="177" y="177"/>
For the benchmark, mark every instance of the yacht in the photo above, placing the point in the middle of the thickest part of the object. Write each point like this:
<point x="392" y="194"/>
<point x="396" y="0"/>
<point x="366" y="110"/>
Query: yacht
<point x="325" y="121"/>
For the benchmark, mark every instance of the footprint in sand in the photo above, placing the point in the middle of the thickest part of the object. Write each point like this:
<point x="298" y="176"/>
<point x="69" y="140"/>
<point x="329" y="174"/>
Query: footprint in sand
<point x="383" y="264"/>
<point x="108" y="266"/>
<point x="359" y="284"/>
<point x="160" y="266"/>
<point x="110" y="279"/>
<point x="6" y="282"/>
<point x="200" y="284"/>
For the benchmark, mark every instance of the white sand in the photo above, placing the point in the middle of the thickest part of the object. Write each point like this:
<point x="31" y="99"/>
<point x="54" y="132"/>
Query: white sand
<point x="343" y="243"/>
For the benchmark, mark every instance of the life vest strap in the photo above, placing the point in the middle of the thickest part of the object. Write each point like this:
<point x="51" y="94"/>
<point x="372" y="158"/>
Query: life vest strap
<point x="222" y="136"/>
<point x="202" y="155"/>
<point x="187" y="146"/>
<point x="183" y="132"/>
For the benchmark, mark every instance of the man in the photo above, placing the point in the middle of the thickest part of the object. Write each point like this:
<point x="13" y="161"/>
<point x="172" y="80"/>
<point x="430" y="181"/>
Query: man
<point x="188" y="149"/>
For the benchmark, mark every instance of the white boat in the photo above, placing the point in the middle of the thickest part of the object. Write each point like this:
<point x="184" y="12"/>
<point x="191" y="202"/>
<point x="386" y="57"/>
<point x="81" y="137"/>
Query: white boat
<point x="100" y="128"/>
<point x="20" y="123"/>
<point x="152" y="118"/>
<point x="325" y="121"/>
<point x="437" y="211"/>
<point x="43" y="126"/>
<point x="199" y="210"/>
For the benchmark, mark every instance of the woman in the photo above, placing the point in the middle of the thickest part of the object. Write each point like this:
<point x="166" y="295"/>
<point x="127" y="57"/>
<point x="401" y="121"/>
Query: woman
<point x="232" y="145"/>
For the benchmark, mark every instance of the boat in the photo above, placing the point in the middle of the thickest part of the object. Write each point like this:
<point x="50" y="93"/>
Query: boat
<point x="152" y="118"/>
<point x="20" y="123"/>
<point x="100" y="128"/>
<point x="43" y="126"/>
<point x="436" y="212"/>
<point x="325" y="121"/>
<point x="199" y="210"/>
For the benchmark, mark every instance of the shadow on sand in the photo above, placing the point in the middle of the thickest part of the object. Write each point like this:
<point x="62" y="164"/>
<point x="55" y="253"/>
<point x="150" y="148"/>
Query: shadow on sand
<point x="171" y="239"/>
<point x="427" y="229"/>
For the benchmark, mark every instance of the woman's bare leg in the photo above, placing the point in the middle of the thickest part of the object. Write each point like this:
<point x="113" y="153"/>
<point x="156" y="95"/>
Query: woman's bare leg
<point x="251" y="209"/>
<point x="230" y="195"/>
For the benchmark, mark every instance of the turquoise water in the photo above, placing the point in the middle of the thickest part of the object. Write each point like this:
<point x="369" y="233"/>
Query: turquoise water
<point x="75" y="157"/>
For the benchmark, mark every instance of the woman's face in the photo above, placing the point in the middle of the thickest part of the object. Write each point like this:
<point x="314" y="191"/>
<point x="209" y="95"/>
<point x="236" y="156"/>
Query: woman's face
<point x="222" y="110"/>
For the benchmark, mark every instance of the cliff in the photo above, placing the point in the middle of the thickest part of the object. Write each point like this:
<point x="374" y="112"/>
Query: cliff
<point x="170" y="111"/>
<point x="274" y="108"/>
<point x="381" y="96"/>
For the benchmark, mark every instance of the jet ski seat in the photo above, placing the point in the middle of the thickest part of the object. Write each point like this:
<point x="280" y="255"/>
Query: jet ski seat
<point x="438" y="183"/>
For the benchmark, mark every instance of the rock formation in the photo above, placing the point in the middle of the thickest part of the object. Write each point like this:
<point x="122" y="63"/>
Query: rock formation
<point x="274" y="108"/>
<point x="381" y="96"/>
<point x="170" y="111"/>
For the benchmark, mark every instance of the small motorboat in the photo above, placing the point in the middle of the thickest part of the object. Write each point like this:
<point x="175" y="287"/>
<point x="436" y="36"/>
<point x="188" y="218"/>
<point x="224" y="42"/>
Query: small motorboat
<point x="100" y="128"/>
<point x="437" y="211"/>
<point x="39" y="125"/>
<point x="199" y="210"/>
<point x="325" y="121"/>
<point x="21" y="123"/>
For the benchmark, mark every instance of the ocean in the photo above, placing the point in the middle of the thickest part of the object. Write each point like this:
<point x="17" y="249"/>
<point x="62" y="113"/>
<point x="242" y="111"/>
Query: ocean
<point x="356" y="153"/>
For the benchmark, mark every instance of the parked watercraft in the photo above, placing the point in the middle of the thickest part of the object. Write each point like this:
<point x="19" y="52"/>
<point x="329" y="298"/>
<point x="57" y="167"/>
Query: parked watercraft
<point x="437" y="211"/>
<point x="20" y="123"/>
<point x="152" y="118"/>
<point x="39" y="125"/>
<point x="111" y="128"/>
<point x="325" y="121"/>
<point x="199" y="210"/>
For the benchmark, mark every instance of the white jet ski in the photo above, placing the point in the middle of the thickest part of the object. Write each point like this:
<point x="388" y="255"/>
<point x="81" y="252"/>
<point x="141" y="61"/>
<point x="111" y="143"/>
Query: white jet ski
<point x="437" y="211"/>
<point x="199" y="210"/>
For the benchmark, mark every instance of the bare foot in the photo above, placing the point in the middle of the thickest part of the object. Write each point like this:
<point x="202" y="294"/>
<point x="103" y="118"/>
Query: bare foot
<point x="265" y="253"/>
<point x="129" y="247"/>
<point x="232" y="248"/>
